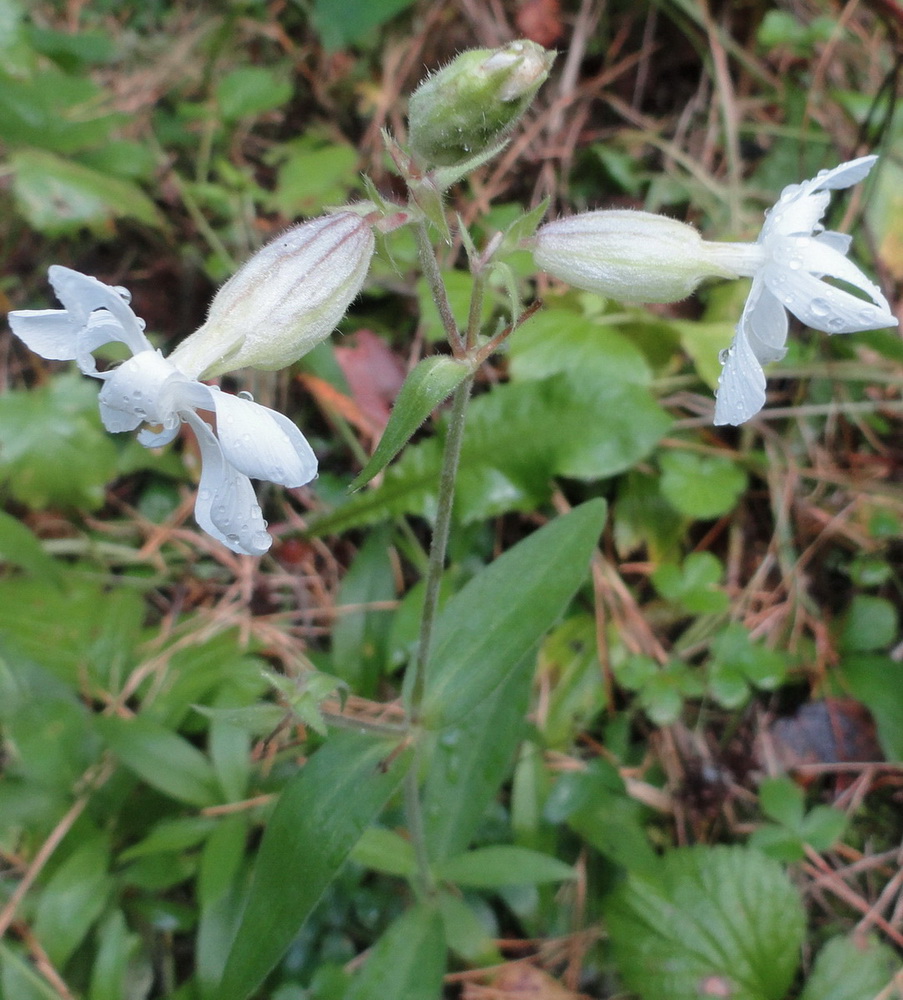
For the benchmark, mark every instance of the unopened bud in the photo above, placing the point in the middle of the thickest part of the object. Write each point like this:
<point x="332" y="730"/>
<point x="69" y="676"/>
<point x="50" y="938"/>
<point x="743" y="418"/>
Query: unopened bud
<point x="286" y="299"/>
<point x="629" y="256"/>
<point x="470" y="105"/>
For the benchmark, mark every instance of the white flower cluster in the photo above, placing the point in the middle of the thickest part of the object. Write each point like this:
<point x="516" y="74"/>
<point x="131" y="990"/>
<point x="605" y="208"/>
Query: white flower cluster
<point x="284" y="301"/>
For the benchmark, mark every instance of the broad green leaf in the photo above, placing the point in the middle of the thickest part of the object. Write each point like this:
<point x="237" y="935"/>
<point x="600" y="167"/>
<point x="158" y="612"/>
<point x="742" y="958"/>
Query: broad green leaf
<point x="591" y="354"/>
<point x="429" y="384"/>
<point x="701" y="486"/>
<point x="60" y="196"/>
<point x="851" y="969"/>
<point x="360" y="634"/>
<point x="342" y="22"/>
<point x="503" y="864"/>
<point x="518" y="437"/>
<point x="19" y="547"/>
<point x="320" y="816"/>
<point x="408" y="961"/>
<point x="877" y="681"/>
<point x="869" y="624"/>
<point x="19" y="981"/>
<point x="312" y="175"/>
<point x="720" y="915"/>
<point x="489" y="626"/>
<point x="782" y="800"/>
<point x="467" y="935"/>
<point x="85" y="635"/>
<point x="73" y="899"/>
<point x="251" y="90"/>
<point x="385" y="851"/>
<point x="162" y="758"/>
<point x="469" y="762"/>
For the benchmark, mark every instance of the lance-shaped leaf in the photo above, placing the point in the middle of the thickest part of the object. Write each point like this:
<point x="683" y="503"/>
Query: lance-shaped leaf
<point x="320" y="816"/>
<point x="408" y="961"/>
<point x="431" y="382"/>
<point x="487" y="628"/>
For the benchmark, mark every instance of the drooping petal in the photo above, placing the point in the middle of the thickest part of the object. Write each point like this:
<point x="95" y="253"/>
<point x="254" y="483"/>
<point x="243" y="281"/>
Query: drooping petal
<point x="226" y="506"/>
<point x="826" y="307"/>
<point x="52" y="333"/>
<point x="741" y="385"/>
<point x="262" y="443"/>
<point x="837" y="241"/>
<point x="764" y="322"/>
<point x="82" y="294"/>
<point x="794" y="213"/>
<point x="844" y="175"/>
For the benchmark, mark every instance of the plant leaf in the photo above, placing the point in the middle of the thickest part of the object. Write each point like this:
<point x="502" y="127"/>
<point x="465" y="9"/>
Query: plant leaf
<point x="429" y="384"/>
<point x="408" y="961"/>
<point x="320" y="816"/>
<point x="850" y="969"/>
<point x="501" y="865"/>
<point x="725" y="917"/>
<point x="489" y="626"/>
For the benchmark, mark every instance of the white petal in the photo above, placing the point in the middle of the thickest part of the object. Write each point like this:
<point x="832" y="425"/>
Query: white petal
<point x="48" y="332"/>
<point x="157" y="439"/>
<point x="764" y="323"/>
<point x="842" y="176"/>
<point x="820" y="258"/>
<point x="262" y="443"/>
<point x="837" y="241"/>
<point x="226" y="507"/>
<point x="794" y="213"/>
<point x="741" y="385"/>
<point x="826" y="307"/>
<point x="81" y="295"/>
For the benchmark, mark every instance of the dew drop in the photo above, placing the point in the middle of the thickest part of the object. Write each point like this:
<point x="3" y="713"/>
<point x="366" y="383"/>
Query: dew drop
<point x="820" y="307"/>
<point x="724" y="354"/>
<point x="221" y="510"/>
<point x="261" y="540"/>
<point x="204" y="494"/>
<point x="794" y="263"/>
<point x="123" y="293"/>
<point x="137" y="394"/>
<point x="244" y="394"/>
<point x="232" y="537"/>
<point x="142" y="323"/>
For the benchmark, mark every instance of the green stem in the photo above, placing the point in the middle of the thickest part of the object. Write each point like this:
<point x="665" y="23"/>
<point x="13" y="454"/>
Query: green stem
<point x="412" y="693"/>
<point x="424" y="882"/>
<point x="433" y="275"/>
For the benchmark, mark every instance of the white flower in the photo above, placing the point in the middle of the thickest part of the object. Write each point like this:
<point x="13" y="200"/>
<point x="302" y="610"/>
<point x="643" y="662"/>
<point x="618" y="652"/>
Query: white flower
<point x="249" y="439"/>
<point x="787" y="264"/>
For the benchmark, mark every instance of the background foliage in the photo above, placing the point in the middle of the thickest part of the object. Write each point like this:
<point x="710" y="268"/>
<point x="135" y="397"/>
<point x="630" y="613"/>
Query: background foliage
<point x="691" y="781"/>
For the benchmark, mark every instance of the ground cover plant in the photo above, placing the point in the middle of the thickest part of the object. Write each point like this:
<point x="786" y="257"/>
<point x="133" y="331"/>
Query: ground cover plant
<point x="556" y="651"/>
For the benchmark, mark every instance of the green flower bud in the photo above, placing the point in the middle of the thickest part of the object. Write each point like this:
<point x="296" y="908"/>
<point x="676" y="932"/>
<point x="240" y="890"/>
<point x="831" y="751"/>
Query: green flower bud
<point x="470" y="105"/>
<point x="629" y="256"/>
<point x="287" y="298"/>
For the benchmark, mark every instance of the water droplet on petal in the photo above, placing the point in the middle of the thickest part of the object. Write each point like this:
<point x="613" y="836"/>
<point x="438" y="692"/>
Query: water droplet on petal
<point x="724" y="354"/>
<point x="244" y="394"/>
<point x="123" y="293"/>
<point x="794" y="263"/>
<point x="820" y="307"/>
<point x="261" y="540"/>
<point x="232" y="537"/>
<point x="204" y="495"/>
<point x="142" y="323"/>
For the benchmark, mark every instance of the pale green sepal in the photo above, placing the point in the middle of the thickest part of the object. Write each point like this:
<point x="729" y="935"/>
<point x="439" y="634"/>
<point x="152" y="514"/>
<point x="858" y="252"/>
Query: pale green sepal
<point x="444" y="177"/>
<point x="431" y="382"/>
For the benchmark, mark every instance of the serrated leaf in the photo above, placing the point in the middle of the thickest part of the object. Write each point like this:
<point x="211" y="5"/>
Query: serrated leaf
<point x="849" y="968"/>
<point x="503" y="864"/>
<point x="489" y="626"/>
<point x="408" y="961"/>
<point x="723" y="916"/>
<point x="428" y="385"/>
<point x="320" y="816"/>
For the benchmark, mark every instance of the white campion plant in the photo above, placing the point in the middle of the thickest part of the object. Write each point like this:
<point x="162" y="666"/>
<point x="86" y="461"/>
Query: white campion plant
<point x="642" y="257"/>
<point x="286" y="299"/>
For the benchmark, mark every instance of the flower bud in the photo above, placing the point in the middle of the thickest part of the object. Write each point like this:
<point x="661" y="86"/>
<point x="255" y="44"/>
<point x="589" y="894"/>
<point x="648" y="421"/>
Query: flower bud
<point x="626" y="255"/>
<point x="287" y="298"/>
<point x="468" y="106"/>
